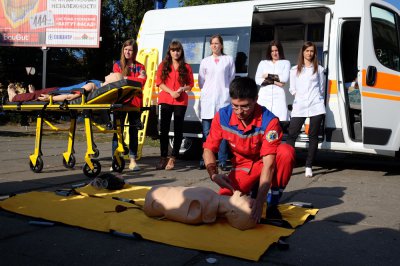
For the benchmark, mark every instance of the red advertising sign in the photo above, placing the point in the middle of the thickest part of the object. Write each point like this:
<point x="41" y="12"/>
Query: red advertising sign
<point x="50" y="23"/>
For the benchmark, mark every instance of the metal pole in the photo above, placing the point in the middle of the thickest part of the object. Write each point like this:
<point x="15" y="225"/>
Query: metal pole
<point x="44" y="50"/>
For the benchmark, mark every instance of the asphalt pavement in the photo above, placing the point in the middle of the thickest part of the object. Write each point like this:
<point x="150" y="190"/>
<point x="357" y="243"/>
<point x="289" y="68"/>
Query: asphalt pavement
<point x="358" y="222"/>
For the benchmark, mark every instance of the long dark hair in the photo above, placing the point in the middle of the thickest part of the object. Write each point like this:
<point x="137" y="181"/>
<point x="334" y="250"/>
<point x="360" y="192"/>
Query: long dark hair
<point x="124" y="66"/>
<point x="167" y="62"/>
<point x="280" y="49"/>
<point x="300" y="59"/>
<point x="219" y="37"/>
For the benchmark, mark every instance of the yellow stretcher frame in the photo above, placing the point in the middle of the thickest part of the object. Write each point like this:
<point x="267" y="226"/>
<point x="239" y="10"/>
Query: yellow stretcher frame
<point x="149" y="58"/>
<point x="92" y="167"/>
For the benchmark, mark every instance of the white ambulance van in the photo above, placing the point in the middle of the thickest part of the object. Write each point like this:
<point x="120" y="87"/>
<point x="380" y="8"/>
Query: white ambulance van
<point x="357" y="39"/>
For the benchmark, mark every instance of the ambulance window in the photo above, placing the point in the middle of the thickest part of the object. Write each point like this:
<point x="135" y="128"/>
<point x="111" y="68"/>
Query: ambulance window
<point x="230" y="45"/>
<point x="198" y="47"/>
<point x="196" y="44"/>
<point x="193" y="47"/>
<point x="385" y="37"/>
<point x="349" y="49"/>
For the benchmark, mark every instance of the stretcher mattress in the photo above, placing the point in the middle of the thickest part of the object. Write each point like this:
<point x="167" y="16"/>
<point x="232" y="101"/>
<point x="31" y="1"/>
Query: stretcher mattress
<point x="116" y="92"/>
<point x="105" y="97"/>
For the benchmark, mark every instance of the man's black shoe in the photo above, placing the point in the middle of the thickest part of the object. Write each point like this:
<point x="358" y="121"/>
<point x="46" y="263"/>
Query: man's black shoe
<point x="279" y="223"/>
<point x="274" y="217"/>
<point x="273" y="213"/>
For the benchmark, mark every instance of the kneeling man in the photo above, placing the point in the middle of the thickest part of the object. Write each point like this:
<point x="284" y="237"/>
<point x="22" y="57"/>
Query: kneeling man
<point x="260" y="161"/>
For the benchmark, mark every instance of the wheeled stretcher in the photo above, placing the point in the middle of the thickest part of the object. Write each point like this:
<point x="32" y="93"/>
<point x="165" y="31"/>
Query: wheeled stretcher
<point x="109" y="97"/>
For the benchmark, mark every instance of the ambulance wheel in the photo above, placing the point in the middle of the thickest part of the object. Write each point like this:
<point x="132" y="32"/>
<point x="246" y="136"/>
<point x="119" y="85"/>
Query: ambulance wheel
<point x="116" y="167"/>
<point x="191" y="148"/>
<point x="71" y="162"/>
<point x="38" y="167"/>
<point x="92" y="173"/>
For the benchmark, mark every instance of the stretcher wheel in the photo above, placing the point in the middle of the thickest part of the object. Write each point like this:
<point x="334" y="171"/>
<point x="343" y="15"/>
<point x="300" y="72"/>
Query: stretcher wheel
<point x="38" y="167"/>
<point x="116" y="167"/>
<point x="92" y="173"/>
<point x="71" y="162"/>
<point x="126" y="150"/>
<point x="96" y="153"/>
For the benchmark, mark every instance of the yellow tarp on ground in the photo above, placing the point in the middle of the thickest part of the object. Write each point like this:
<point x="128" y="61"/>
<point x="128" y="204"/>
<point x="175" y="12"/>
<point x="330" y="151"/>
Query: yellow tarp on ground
<point x="92" y="208"/>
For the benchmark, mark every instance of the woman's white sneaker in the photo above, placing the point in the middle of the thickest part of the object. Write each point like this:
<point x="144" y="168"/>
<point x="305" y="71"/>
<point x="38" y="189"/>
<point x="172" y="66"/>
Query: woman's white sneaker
<point x="133" y="166"/>
<point x="308" y="172"/>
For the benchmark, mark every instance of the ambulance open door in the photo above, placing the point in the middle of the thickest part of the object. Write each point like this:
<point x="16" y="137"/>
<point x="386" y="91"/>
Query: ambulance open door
<point x="379" y="76"/>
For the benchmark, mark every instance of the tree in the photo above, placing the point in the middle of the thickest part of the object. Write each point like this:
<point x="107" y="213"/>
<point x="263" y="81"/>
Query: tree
<point x="120" y="21"/>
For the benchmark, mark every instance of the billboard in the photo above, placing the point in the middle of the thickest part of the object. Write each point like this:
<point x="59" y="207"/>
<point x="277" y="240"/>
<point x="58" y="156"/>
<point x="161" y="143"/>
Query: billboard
<point x="50" y="23"/>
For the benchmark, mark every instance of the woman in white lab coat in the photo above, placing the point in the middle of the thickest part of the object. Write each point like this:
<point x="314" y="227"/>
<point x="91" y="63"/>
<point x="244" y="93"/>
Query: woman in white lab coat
<point x="215" y="74"/>
<point x="307" y="84"/>
<point x="271" y="76"/>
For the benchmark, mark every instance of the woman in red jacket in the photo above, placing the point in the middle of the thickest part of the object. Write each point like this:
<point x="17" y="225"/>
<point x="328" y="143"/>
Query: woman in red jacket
<point x="133" y="70"/>
<point x="174" y="78"/>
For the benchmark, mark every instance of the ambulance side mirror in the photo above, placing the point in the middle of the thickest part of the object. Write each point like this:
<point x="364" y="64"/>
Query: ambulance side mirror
<point x="371" y="76"/>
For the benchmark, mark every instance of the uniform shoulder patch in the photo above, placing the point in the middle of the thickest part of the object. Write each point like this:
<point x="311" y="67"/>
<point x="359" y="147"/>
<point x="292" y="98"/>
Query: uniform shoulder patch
<point x="271" y="135"/>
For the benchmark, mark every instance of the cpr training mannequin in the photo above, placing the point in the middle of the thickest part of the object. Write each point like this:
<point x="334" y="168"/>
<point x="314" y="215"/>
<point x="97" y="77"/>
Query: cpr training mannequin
<point x="196" y="205"/>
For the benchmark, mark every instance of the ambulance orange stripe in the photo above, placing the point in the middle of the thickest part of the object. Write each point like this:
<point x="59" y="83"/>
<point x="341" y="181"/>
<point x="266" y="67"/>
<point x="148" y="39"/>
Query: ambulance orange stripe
<point x="194" y="97"/>
<point x="332" y="87"/>
<point x="380" y="96"/>
<point x="384" y="81"/>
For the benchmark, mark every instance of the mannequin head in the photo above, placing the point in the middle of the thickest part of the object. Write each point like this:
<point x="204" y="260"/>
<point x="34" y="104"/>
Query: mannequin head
<point x="238" y="211"/>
